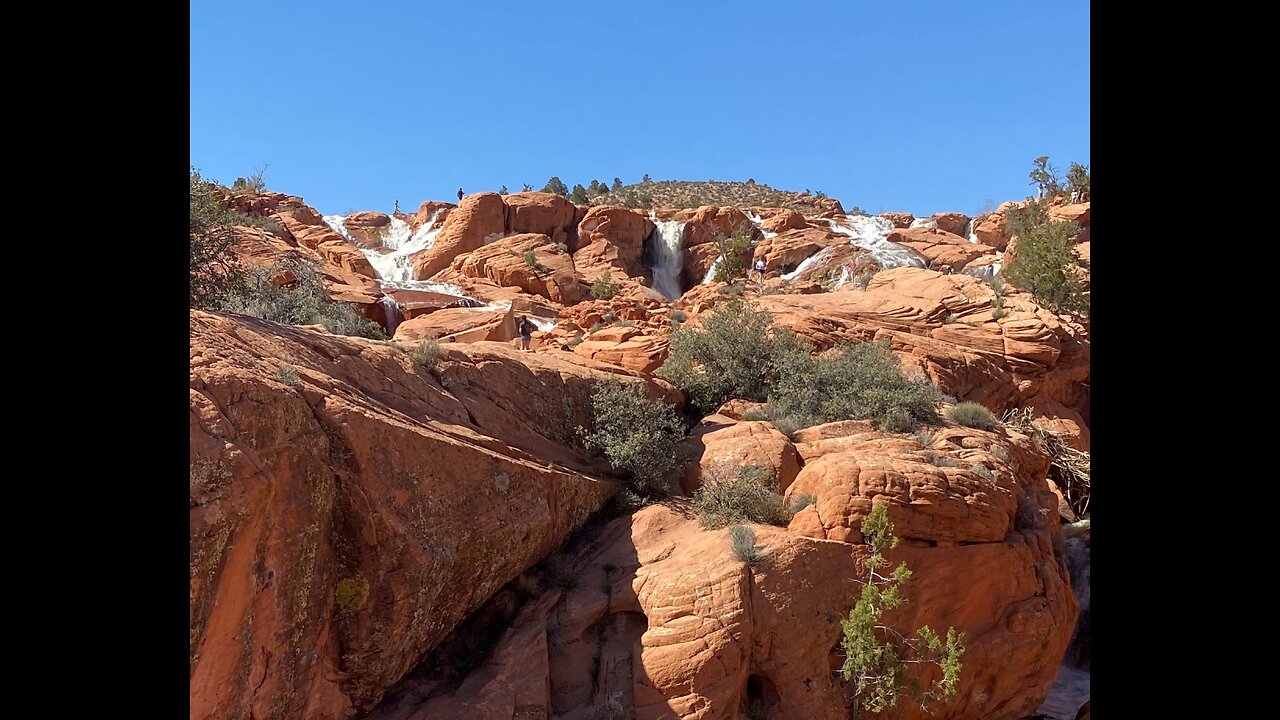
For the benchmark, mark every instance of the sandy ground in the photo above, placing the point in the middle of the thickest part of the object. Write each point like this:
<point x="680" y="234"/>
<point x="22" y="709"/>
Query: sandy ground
<point x="1068" y="693"/>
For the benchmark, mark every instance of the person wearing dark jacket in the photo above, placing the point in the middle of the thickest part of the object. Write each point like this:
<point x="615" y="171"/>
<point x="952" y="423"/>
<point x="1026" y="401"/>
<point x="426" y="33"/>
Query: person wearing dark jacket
<point x="525" y="328"/>
<point x="459" y="194"/>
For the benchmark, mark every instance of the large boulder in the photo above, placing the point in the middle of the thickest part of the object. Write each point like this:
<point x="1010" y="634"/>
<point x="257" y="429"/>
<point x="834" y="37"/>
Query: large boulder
<point x="349" y="507"/>
<point x="480" y="218"/>
<point x="663" y="619"/>
<point x="506" y="262"/>
<point x="719" y="444"/>
<point x="940" y="247"/>
<point x="625" y="347"/>
<point x="611" y="239"/>
<point x="540" y="212"/>
<point x="953" y="222"/>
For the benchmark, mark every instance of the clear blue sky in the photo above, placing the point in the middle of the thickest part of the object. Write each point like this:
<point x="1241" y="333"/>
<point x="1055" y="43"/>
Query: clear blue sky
<point x="888" y="105"/>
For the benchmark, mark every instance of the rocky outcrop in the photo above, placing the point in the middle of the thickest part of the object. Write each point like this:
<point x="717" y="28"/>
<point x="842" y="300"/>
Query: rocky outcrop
<point x="367" y="228"/>
<point x="899" y="219"/>
<point x="662" y="617"/>
<point x="611" y="239"/>
<point x="783" y="221"/>
<point x="719" y="444"/>
<point x="709" y="221"/>
<point x="539" y="212"/>
<point x="784" y="252"/>
<point x="506" y="262"/>
<point x="940" y="247"/>
<point x="943" y="326"/>
<point x="954" y="223"/>
<point x="480" y="218"/>
<point x="349" y="506"/>
<point x="625" y="347"/>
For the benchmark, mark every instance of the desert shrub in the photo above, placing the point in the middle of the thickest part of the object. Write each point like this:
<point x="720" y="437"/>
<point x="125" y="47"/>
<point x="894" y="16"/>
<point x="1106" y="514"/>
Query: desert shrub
<point x="802" y="501"/>
<point x="215" y="270"/>
<point x="733" y="355"/>
<point x="1045" y="259"/>
<point x="305" y="301"/>
<point x="924" y="438"/>
<point x="530" y="259"/>
<point x="999" y="451"/>
<point x="351" y="594"/>
<point x="604" y="288"/>
<point x="877" y="656"/>
<point x="971" y="414"/>
<point x="744" y="544"/>
<point x="982" y="471"/>
<point x="858" y="381"/>
<point x="746" y="494"/>
<point x="638" y="435"/>
<point x="733" y="250"/>
<point x="426" y="353"/>
<point x="288" y="375"/>
<point x="678" y="315"/>
<point x="756" y="413"/>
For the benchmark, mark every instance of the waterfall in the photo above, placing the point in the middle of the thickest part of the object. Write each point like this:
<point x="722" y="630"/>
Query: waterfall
<point x="924" y="223"/>
<point x="817" y="258"/>
<point x="711" y="271"/>
<point x="759" y="222"/>
<point x="393" y="313"/>
<point x="870" y="233"/>
<point x="668" y="256"/>
<point x="968" y="231"/>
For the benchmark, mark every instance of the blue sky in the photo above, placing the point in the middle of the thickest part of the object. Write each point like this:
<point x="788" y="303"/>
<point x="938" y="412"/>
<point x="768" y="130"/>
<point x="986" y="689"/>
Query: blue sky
<point x="911" y="106"/>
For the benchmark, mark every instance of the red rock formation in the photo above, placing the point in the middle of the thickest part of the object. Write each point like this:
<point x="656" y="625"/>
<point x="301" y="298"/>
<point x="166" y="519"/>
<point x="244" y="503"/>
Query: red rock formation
<point x="664" y="619"/>
<point x="625" y="347"/>
<point x="367" y="228"/>
<point x="783" y="221"/>
<point x="720" y="444"/>
<point x="954" y="223"/>
<point x="784" y="253"/>
<point x="478" y="218"/>
<point x="428" y="210"/>
<point x="506" y="263"/>
<point x="900" y="219"/>
<point x="1028" y="357"/>
<point x="539" y="212"/>
<point x="940" y="247"/>
<point x="349" y="507"/>
<point x="611" y="239"/>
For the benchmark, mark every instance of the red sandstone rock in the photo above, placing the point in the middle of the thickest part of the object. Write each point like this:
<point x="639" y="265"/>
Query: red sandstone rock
<point x="900" y="219"/>
<point x="506" y="262"/>
<point x="479" y="218"/>
<point x="611" y="239"/>
<point x="940" y="247"/>
<point x="343" y="522"/>
<point x="954" y="223"/>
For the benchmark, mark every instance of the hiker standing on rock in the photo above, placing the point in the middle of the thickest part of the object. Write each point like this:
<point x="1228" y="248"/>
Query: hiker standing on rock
<point x="525" y="328"/>
<point x="459" y="194"/>
<point x="760" y="270"/>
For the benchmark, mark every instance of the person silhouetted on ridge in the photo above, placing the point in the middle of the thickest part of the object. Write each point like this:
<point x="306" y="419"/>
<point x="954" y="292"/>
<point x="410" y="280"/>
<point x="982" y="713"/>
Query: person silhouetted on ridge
<point x="459" y="194"/>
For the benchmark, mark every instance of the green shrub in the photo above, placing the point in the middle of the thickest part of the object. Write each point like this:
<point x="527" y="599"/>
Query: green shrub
<point x="733" y="355"/>
<point x="303" y="302"/>
<point x="1045" y="259"/>
<point x="557" y="186"/>
<point x="744" y="544"/>
<point x="877" y="657"/>
<point x="604" y="288"/>
<point x="733" y="251"/>
<point x="351" y="594"/>
<point x="426" y="353"/>
<point x="678" y="315"/>
<point x="215" y="270"/>
<point x="982" y="471"/>
<point x="287" y="375"/>
<point x="756" y="413"/>
<point x="530" y="259"/>
<point x="855" y="381"/>
<point x="638" y="435"/>
<point x="747" y="494"/>
<point x="802" y="501"/>
<point x="971" y="414"/>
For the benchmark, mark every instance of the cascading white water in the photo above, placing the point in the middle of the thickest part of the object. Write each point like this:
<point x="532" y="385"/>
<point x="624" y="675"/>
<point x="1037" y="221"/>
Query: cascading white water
<point x="668" y="256"/>
<point x="819" y="257"/>
<point x="968" y="231"/>
<point x="759" y="222"/>
<point x="924" y="223"/>
<point x="869" y="232"/>
<point x="393" y="313"/>
<point x="393" y="261"/>
<point x="711" y="271"/>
